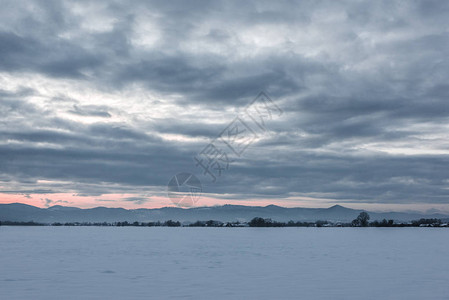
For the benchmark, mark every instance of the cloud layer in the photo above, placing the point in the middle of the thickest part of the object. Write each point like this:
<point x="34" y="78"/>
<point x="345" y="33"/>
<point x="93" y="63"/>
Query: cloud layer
<point x="101" y="98"/>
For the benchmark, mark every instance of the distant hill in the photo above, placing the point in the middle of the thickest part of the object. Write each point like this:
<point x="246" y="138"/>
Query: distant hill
<point x="226" y="213"/>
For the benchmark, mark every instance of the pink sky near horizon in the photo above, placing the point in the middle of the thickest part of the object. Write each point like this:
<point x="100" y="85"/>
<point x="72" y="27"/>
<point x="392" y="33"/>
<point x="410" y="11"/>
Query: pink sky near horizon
<point x="119" y="200"/>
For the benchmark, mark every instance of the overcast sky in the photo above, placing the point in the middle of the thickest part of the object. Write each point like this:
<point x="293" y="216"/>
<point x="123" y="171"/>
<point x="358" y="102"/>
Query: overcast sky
<point x="101" y="103"/>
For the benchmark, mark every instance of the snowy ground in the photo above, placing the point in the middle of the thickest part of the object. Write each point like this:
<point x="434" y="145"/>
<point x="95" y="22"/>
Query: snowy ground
<point x="223" y="263"/>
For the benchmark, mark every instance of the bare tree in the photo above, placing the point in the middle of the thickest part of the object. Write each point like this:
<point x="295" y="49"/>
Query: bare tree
<point x="361" y="220"/>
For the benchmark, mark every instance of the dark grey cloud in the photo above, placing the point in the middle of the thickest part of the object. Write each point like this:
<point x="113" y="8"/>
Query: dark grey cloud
<point x="108" y="96"/>
<point x="48" y="202"/>
<point x="137" y="200"/>
<point x="55" y="58"/>
<point x="90" y="110"/>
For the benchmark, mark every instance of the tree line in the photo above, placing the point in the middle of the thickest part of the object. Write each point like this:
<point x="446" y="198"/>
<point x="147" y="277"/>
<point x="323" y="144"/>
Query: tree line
<point x="362" y="220"/>
<point x="169" y="223"/>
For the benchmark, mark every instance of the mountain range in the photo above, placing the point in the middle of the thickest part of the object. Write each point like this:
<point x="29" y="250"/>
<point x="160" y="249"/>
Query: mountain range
<point x="227" y="213"/>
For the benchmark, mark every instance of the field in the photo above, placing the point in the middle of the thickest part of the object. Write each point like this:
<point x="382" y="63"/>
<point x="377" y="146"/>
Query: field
<point x="223" y="263"/>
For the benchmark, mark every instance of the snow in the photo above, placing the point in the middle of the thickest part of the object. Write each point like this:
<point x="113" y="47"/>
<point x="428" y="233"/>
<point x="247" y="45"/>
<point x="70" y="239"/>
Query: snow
<point x="223" y="263"/>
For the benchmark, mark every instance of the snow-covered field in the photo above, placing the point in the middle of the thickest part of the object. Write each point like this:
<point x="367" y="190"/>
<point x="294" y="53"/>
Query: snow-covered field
<point x="223" y="263"/>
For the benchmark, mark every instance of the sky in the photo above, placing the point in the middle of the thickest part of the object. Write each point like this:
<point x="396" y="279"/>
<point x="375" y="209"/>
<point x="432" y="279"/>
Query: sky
<point x="103" y="102"/>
